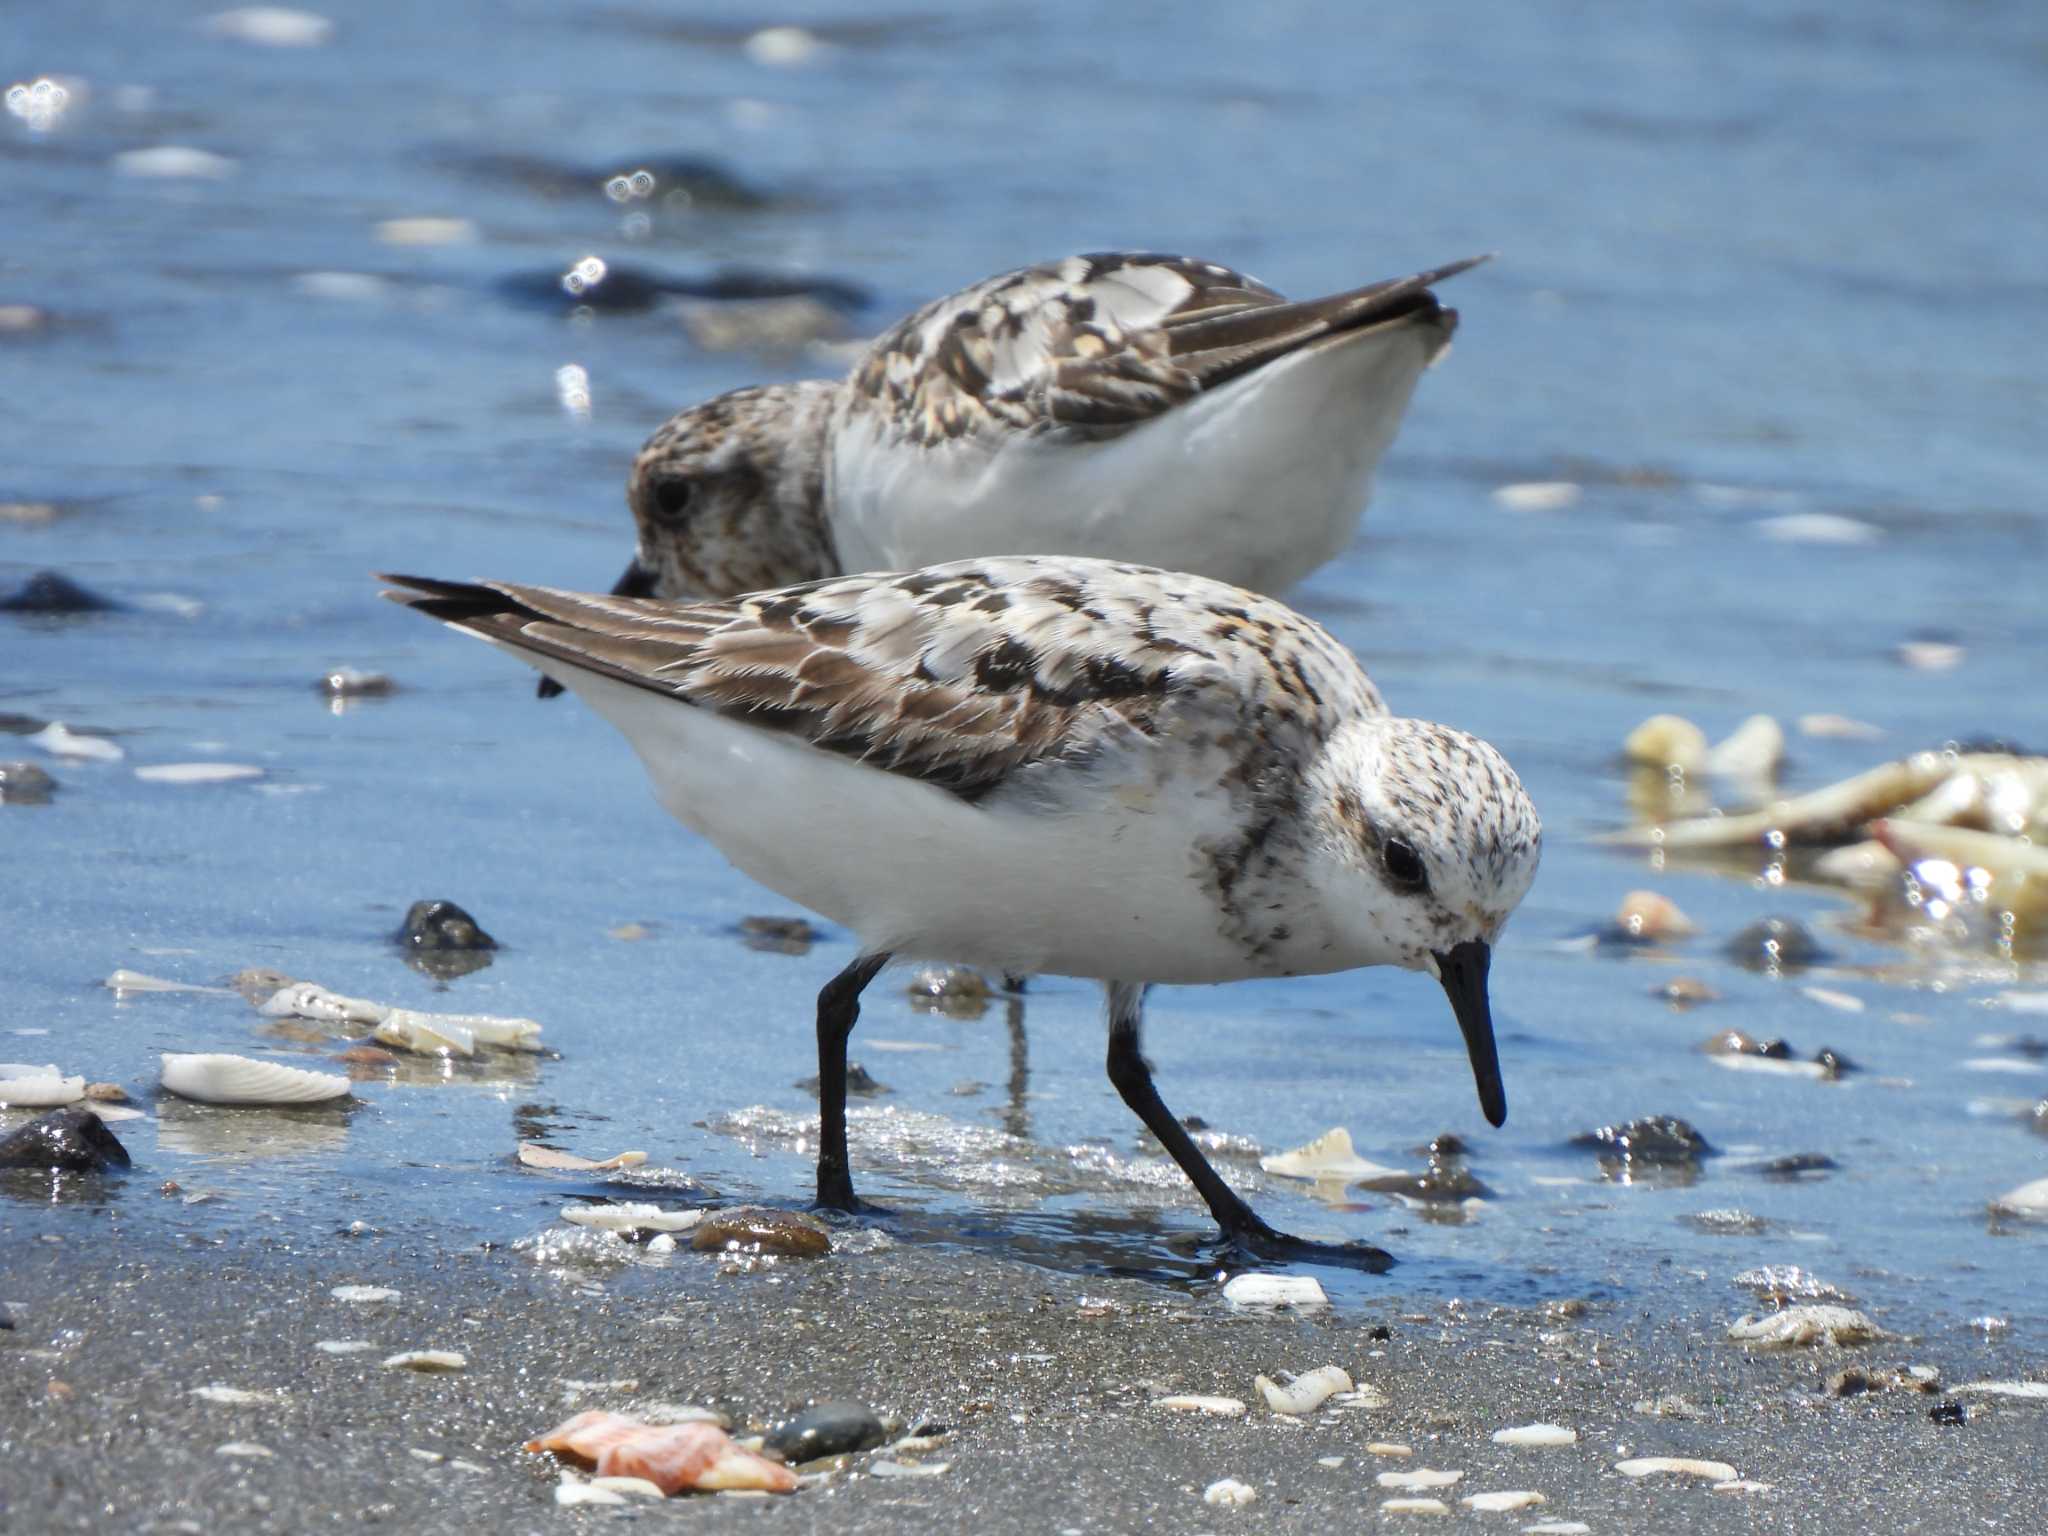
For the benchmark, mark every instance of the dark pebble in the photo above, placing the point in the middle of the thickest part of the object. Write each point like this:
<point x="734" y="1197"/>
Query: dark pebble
<point x="837" y="1428"/>
<point x="779" y="935"/>
<point x="65" y="1140"/>
<point x="1949" y="1412"/>
<point x="442" y="925"/>
<point x="1440" y="1182"/>
<point x="1798" y="1165"/>
<point x="348" y="683"/>
<point x="24" y="784"/>
<point x="1834" y="1062"/>
<point x="55" y="593"/>
<point x="1449" y="1144"/>
<point x="1654" y="1139"/>
<point x="757" y="1229"/>
<point x="1775" y="944"/>
<point x="860" y="1084"/>
<point x="1733" y="1042"/>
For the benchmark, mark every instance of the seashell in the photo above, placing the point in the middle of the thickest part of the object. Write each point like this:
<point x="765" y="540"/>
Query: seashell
<point x="2021" y="1389"/>
<point x="2029" y="1200"/>
<point x="1535" y="1435"/>
<point x="1414" y="1507"/>
<point x="1796" y="1327"/>
<point x="424" y="1034"/>
<point x="1497" y="1503"/>
<point x="1390" y="1448"/>
<point x="2016" y="871"/>
<point x="1274" y="1291"/>
<point x="23" y="1086"/>
<point x="1667" y="742"/>
<point x="426" y="1360"/>
<point x="1329" y="1157"/>
<point x="1678" y="1466"/>
<point x="1753" y="751"/>
<point x="1838" y="728"/>
<point x="1191" y="1402"/>
<point x="1229" y="1493"/>
<point x="1651" y="918"/>
<point x="573" y="1490"/>
<point x="237" y="1397"/>
<point x="637" y="1487"/>
<point x="1306" y="1392"/>
<point x="198" y="773"/>
<point x="1420" y="1478"/>
<point x="1864" y="866"/>
<point x="308" y="1000"/>
<point x="671" y="1456"/>
<point x="363" y="1293"/>
<point x="345" y="1346"/>
<point x="126" y="981"/>
<point x="219" y="1079"/>
<point x="244" y="1448"/>
<point x="883" y="1467"/>
<point x="629" y="1216"/>
<point x="533" y="1155"/>
<point x="59" y="740"/>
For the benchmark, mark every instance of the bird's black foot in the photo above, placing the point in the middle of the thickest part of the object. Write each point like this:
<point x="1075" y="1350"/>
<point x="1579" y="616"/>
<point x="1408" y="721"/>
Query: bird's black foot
<point x="1260" y="1246"/>
<point x="836" y="1194"/>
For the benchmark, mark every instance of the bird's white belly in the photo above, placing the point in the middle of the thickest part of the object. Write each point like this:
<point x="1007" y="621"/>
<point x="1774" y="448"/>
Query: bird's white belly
<point x="1256" y="483"/>
<point x="1108" y="888"/>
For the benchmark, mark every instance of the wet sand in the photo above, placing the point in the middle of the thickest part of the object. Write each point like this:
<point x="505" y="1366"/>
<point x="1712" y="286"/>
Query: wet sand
<point x="1044" y="1383"/>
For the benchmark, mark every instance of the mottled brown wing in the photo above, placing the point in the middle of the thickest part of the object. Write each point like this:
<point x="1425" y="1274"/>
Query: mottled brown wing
<point x="946" y="676"/>
<point x="1098" y="344"/>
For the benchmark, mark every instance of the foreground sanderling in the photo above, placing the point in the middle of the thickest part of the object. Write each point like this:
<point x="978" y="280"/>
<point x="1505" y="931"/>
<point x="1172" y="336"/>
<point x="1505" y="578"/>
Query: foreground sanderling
<point x="1053" y="765"/>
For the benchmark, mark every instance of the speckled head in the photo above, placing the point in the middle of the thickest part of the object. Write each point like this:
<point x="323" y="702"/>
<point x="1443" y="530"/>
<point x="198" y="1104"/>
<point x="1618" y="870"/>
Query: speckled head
<point x="1435" y="843"/>
<point x="728" y="496"/>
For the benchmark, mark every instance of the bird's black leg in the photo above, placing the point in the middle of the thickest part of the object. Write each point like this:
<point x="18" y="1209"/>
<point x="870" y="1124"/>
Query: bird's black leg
<point x="1242" y="1228"/>
<point x="838" y="1008"/>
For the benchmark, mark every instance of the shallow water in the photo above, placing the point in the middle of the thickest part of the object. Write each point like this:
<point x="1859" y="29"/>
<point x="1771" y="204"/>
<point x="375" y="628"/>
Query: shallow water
<point x="1752" y="265"/>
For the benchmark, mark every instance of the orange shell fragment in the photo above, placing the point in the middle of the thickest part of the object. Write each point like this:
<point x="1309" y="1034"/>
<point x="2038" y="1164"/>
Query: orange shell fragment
<point x="671" y="1456"/>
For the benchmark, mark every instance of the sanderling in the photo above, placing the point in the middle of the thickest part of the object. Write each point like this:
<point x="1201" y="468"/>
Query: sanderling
<point x="1053" y="765"/>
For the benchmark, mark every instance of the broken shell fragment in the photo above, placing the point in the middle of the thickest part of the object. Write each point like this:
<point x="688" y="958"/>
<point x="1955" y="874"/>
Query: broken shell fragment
<point x="631" y="1216"/>
<point x="23" y="1086"/>
<point x="1420" y="1478"/>
<point x="1677" y="1466"/>
<point x="1667" y="741"/>
<point x="533" y="1155"/>
<point x="1306" y="1392"/>
<point x="671" y="1456"/>
<point x="308" y="1000"/>
<point x="1274" y="1291"/>
<point x="1194" y="1402"/>
<point x="218" y="1079"/>
<point x="426" y="1361"/>
<point x="1753" y="751"/>
<point x="1536" y="1435"/>
<point x="2029" y="1200"/>
<point x="1797" y="1327"/>
<point x="1496" y="1503"/>
<point x="1329" y="1157"/>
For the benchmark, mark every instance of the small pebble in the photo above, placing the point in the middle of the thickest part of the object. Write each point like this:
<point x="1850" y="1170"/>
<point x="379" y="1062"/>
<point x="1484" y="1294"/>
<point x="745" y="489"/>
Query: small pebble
<point x="25" y="784"/>
<point x="1391" y="1448"/>
<point x="59" y="740"/>
<point x="836" y="1428"/>
<point x="52" y="592"/>
<point x="426" y="230"/>
<point x="1645" y="917"/>
<point x="169" y="162"/>
<point x="1332" y="1462"/>
<point x="955" y="991"/>
<point x="1258" y="1290"/>
<point x="1685" y="992"/>
<point x="1930" y="655"/>
<point x="1229" y="1493"/>
<point x="779" y="935"/>
<point x="66" y="1141"/>
<point x="1753" y="751"/>
<point x="343" y="1346"/>
<point x="436" y="925"/>
<point x="1773" y="945"/>
<point x="237" y="1397"/>
<point x="1838" y="728"/>
<point x="757" y="1229"/>
<point x="1667" y="742"/>
<point x="348" y="683"/>
<point x="1950" y="1412"/>
<point x="887" y="1468"/>
<point x="1662" y="1140"/>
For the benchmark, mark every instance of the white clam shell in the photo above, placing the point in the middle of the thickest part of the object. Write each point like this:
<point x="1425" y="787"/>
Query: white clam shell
<point x="631" y="1216"/>
<point x="30" y="1087"/>
<point x="1306" y="1392"/>
<point x="221" y="1079"/>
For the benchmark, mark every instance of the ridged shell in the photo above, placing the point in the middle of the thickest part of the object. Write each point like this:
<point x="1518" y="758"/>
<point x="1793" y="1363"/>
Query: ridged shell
<point x="218" y="1079"/>
<point x="31" y="1087"/>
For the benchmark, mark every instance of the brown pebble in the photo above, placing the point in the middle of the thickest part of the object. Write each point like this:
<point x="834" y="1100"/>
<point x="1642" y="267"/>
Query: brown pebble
<point x="1686" y="992"/>
<point x="779" y="935"/>
<point x="170" y="1187"/>
<point x="1651" y="918"/>
<point x="367" y="1056"/>
<point x="758" y="1229"/>
<point x="106" y="1093"/>
<point x="60" y="1390"/>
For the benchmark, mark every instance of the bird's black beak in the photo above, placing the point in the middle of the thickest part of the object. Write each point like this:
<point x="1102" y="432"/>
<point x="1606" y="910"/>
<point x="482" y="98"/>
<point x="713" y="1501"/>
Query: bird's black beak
<point x="1462" y="970"/>
<point x="637" y="581"/>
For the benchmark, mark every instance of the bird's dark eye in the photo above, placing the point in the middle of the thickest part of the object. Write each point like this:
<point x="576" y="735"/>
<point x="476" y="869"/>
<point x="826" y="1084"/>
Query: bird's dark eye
<point x="672" y="497"/>
<point x="1404" y="865"/>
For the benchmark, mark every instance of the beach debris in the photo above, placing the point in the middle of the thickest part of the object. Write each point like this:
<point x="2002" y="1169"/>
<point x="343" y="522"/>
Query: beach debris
<point x="1229" y="1493"/>
<point x="757" y="1229"/>
<point x="1417" y="1480"/>
<point x="1773" y="945"/>
<point x="214" y="1078"/>
<point x="1753" y="751"/>
<point x="954" y="991"/>
<point x="533" y="1155"/>
<point x="442" y="940"/>
<point x="1733" y="1049"/>
<point x="1676" y="1466"/>
<point x="457" y="1034"/>
<point x="1668" y="742"/>
<point x="1645" y="917"/>
<point x="59" y="740"/>
<point x="838" y="1427"/>
<point x="631" y="1216"/>
<point x="1857" y="1380"/>
<point x="67" y="1140"/>
<point x="2031" y="1391"/>
<point x="1536" y="1435"/>
<point x="1304" y="1393"/>
<point x="238" y="1397"/>
<point x="197" y="773"/>
<point x="1958" y="867"/>
<point x="342" y="683"/>
<point x="1414" y="1507"/>
<point x="346" y="1346"/>
<point x="25" y="784"/>
<point x="2029" y="1200"/>
<point x="779" y="935"/>
<point x="23" y="1086"/>
<point x="1255" y="1290"/>
<point x="673" y="1457"/>
<point x="1329" y="1158"/>
<point x="1195" y="1402"/>
<point x="1647" y="1141"/>
<point x="363" y="1295"/>
<point x="426" y="1361"/>
<point x="1503" y="1501"/>
<point x="1803" y="1326"/>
